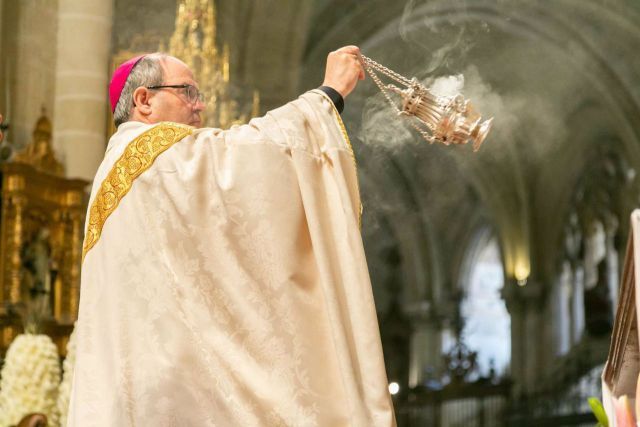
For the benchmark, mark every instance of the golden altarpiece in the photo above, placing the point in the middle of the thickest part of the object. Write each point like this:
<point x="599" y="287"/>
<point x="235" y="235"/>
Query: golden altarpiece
<point x="41" y="232"/>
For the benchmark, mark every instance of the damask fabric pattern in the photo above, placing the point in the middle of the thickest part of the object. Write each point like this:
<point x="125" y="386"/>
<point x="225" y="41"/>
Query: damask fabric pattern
<point x="229" y="287"/>
<point x="136" y="159"/>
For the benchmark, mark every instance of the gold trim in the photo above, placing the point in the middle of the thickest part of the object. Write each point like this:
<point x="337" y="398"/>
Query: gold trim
<point x="137" y="158"/>
<point x="353" y="156"/>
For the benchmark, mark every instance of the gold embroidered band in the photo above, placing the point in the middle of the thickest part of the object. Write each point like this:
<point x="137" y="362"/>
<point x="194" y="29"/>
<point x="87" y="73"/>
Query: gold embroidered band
<point x="137" y="158"/>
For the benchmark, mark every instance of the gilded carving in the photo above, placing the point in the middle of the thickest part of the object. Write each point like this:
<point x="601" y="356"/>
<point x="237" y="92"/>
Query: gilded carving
<point x="39" y="152"/>
<point x="40" y="241"/>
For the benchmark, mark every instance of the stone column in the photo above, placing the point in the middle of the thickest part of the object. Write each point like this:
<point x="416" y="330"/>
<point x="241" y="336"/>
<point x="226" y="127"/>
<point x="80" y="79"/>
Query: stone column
<point x="526" y="308"/>
<point x="535" y="342"/>
<point x="561" y="301"/>
<point x="81" y="101"/>
<point x="426" y="349"/>
<point x="28" y="58"/>
<point x="577" y="304"/>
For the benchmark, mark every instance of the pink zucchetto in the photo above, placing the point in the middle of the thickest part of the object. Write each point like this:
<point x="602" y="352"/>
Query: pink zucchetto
<point x="119" y="79"/>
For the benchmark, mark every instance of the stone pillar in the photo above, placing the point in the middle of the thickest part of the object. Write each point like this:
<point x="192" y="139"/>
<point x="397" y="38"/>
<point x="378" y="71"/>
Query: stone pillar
<point x="577" y="304"/>
<point x="526" y="307"/>
<point x="561" y="301"/>
<point x="425" y="351"/>
<point x="535" y="343"/>
<point x="81" y="101"/>
<point x="28" y="56"/>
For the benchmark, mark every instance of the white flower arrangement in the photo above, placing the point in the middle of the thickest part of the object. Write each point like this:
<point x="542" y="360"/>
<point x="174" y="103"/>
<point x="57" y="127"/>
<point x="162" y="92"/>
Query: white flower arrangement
<point x="29" y="379"/>
<point x="65" y="387"/>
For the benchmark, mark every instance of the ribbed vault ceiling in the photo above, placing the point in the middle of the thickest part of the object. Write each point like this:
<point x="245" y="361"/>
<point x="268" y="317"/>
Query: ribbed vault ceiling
<point x="559" y="77"/>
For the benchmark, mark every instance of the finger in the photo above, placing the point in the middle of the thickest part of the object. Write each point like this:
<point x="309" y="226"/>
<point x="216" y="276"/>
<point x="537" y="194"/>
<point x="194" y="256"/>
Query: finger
<point x="347" y="56"/>
<point x="360" y="68"/>
<point x="350" y="49"/>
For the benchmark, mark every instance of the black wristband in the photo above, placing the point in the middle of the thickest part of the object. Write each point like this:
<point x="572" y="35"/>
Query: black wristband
<point x="335" y="97"/>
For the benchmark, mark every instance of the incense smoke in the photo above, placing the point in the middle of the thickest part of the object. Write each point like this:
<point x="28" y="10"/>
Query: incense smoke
<point x="528" y="123"/>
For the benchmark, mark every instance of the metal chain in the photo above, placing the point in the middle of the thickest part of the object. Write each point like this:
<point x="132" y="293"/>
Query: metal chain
<point x="370" y="65"/>
<point x="383" y="89"/>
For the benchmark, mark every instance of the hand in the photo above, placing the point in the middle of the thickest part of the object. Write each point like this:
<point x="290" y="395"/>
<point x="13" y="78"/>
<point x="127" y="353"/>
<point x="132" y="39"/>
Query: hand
<point x="344" y="69"/>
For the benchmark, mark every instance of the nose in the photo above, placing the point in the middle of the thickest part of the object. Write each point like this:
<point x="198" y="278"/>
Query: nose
<point x="199" y="105"/>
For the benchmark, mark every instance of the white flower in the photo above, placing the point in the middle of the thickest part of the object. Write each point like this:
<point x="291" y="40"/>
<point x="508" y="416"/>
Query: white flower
<point x="29" y="379"/>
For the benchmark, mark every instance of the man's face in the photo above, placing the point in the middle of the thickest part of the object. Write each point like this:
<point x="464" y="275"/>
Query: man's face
<point x="172" y="104"/>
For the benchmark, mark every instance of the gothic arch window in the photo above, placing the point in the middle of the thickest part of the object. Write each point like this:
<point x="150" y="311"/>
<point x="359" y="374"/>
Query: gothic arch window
<point x="486" y="325"/>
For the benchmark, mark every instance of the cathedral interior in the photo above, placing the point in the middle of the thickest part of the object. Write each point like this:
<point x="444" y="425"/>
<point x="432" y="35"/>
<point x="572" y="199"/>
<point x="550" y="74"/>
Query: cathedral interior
<point x="495" y="273"/>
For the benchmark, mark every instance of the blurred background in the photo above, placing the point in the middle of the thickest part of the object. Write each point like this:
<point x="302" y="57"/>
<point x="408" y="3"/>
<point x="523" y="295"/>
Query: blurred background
<point x="495" y="274"/>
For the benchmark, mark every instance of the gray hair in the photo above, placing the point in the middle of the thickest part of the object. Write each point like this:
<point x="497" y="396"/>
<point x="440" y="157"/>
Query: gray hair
<point x="147" y="72"/>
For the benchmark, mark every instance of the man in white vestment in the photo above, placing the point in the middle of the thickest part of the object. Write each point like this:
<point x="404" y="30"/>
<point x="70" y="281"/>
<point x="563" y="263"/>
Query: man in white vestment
<point x="224" y="280"/>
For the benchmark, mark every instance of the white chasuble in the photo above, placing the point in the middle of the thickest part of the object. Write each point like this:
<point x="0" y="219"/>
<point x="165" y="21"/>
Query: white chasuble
<point x="224" y="280"/>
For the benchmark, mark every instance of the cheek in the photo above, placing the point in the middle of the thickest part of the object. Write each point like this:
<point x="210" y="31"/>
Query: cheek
<point x="161" y="107"/>
<point x="182" y="113"/>
<point x="174" y="110"/>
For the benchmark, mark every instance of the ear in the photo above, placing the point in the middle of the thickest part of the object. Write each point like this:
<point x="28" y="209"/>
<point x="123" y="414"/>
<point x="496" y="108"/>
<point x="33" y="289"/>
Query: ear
<point x="142" y="100"/>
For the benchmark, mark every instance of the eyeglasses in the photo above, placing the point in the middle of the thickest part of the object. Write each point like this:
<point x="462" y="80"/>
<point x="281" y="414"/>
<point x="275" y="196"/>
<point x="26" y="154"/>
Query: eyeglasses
<point x="193" y="94"/>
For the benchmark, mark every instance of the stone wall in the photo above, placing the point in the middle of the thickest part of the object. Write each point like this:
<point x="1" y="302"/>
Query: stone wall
<point x="28" y="41"/>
